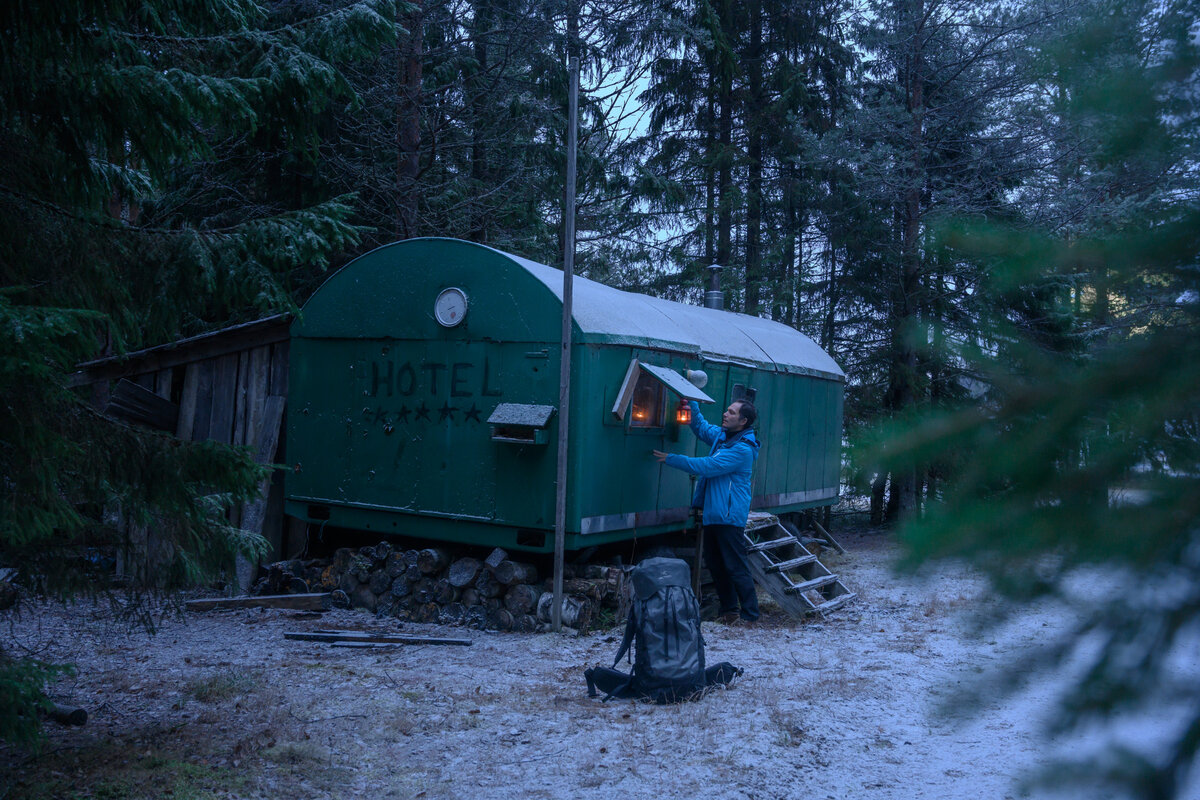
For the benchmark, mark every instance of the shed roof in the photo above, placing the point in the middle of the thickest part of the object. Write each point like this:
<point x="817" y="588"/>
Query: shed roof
<point x="611" y="315"/>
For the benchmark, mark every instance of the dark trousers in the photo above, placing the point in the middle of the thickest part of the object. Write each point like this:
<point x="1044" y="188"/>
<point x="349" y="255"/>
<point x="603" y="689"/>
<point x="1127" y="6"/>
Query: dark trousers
<point x="725" y="557"/>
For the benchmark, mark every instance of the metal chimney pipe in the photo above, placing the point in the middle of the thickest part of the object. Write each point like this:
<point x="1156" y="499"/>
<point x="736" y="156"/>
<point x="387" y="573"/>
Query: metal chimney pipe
<point x="714" y="297"/>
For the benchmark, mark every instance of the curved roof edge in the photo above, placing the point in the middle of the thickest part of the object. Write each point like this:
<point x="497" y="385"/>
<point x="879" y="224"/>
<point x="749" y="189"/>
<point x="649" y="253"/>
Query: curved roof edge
<point x="620" y="317"/>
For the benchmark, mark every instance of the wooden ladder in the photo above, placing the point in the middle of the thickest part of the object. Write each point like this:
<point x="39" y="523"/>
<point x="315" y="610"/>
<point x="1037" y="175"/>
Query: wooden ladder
<point x="790" y="572"/>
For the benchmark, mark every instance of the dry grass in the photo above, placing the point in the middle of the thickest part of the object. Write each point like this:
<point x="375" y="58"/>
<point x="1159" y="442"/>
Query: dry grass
<point x="241" y="713"/>
<point x="297" y="753"/>
<point x="791" y="732"/>
<point x="220" y="686"/>
<point x="939" y="606"/>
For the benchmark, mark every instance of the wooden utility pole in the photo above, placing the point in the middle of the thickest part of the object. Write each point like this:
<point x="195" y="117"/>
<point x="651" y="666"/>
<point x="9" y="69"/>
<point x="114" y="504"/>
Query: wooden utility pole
<point x="564" y="385"/>
<point x="408" y="118"/>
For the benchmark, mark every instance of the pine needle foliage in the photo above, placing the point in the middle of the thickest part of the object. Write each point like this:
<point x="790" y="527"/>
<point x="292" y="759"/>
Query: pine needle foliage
<point x="22" y="698"/>
<point x="135" y="209"/>
<point x="1078" y="481"/>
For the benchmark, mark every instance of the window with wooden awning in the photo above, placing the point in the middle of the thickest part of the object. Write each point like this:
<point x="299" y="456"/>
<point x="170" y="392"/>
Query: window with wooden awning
<point x="642" y="400"/>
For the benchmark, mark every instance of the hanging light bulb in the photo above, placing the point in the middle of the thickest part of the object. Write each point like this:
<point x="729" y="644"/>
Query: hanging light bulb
<point x="683" y="413"/>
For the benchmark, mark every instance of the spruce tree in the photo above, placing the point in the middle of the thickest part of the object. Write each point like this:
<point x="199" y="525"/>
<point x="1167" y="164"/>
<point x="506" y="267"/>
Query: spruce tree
<point x="144" y="196"/>
<point x="1082" y="489"/>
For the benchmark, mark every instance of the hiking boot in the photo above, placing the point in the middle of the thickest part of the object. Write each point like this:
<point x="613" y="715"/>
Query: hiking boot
<point x="729" y="618"/>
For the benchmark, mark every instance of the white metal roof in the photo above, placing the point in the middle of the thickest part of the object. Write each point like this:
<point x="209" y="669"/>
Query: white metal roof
<point x="639" y="319"/>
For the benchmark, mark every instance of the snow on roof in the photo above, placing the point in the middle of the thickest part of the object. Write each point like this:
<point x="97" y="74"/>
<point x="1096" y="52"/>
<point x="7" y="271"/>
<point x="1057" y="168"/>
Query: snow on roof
<point x="639" y="319"/>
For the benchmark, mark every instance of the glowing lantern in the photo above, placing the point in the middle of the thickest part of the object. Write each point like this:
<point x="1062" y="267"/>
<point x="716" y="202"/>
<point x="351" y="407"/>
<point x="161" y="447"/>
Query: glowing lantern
<point x="683" y="413"/>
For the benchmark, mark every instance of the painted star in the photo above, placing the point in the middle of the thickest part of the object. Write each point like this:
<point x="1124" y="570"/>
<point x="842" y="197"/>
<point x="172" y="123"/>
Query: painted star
<point x="472" y="413"/>
<point x="445" y="411"/>
<point x="402" y="414"/>
<point x="422" y="411"/>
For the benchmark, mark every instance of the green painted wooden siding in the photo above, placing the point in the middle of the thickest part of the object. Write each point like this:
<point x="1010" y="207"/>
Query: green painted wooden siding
<point x="387" y="427"/>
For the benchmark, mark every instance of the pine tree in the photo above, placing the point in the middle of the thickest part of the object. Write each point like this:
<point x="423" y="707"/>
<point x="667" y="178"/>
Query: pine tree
<point x="740" y="97"/>
<point x="1085" y="465"/>
<point x="153" y="187"/>
<point x="939" y="143"/>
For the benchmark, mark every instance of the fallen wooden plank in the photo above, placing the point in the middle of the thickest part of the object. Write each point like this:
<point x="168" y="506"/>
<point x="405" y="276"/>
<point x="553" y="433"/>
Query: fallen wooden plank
<point x="315" y="601"/>
<point x="372" y="638"/>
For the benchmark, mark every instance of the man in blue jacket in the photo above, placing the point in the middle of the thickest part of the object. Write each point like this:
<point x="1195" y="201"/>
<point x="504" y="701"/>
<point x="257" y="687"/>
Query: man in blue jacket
<point x="723" y="491"/>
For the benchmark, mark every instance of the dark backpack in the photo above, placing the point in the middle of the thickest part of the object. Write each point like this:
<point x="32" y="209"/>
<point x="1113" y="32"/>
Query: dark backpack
<point x="664" y="632"/>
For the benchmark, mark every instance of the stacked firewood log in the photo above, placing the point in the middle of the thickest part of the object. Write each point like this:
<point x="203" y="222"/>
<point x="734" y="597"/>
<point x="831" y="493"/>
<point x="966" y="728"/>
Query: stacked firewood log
<point x="429" y="585"/>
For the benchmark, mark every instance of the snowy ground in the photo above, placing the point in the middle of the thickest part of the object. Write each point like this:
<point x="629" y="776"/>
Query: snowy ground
<point x="221" y="705"/>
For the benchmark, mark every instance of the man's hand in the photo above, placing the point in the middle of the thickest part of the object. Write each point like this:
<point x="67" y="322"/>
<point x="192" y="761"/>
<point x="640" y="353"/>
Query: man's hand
<point x="659" y="455"/>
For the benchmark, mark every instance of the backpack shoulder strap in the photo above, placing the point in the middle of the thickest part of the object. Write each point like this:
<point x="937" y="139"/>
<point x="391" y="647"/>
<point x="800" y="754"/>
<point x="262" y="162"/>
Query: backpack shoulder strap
<point x="630" y="628"/>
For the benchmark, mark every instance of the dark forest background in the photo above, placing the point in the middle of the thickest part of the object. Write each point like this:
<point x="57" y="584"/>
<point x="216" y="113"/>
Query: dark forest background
<point x="985" y="211"/>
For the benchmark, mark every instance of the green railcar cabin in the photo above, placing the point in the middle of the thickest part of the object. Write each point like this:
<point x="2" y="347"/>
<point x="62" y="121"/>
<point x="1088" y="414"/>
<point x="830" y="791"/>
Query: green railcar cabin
<point x="424" y="380"/>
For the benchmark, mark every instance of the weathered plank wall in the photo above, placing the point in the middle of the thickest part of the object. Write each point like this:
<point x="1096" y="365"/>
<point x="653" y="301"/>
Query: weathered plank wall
<point x="229" y="386"/>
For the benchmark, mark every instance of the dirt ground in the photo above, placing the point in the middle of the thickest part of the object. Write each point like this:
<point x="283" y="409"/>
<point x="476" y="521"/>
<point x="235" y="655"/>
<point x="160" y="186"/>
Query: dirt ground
<point x="220" y="705"/>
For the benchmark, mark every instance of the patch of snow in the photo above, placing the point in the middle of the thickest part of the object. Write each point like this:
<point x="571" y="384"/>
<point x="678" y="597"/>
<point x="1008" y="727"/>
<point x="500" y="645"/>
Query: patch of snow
<point x="843" y="708"/>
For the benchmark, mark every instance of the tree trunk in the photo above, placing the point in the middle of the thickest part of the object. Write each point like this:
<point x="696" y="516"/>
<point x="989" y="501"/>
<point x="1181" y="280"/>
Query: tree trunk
<point x="710" y="177"/>
<point x="577" y="612"/>
<point x="363" y="597"/>
<point x="380" y="581"/>
<point x="878" y="487"/>
<point x="423" y="591"/>
<point x="521" y="599"/>
<point x="487" y="585"/>
<point x="907" y="332"/>
<point x="444" y="592"/>
<point x="754" y="121"/>
<point x="453" y="614"/>
<point x="725" y="143"/>
<point x="591" y="589"/>
<point x="385" y="604"/>
<point x="378" y="554"/>
<point x="432" y="560"/>
<point x="426" y="612"/>
<point x="476" y="617"/>
<point x="896" y="491"/>
<point x="501" y="619"/>
<point x="510" y="572"/>
<point x="463" y="572"/>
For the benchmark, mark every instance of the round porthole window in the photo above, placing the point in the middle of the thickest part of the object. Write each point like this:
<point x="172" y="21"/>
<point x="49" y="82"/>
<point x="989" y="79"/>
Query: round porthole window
<point x="450" y="308"/>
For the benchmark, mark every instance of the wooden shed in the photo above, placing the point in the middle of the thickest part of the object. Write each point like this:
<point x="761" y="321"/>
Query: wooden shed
<point x="228" y="386"/>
